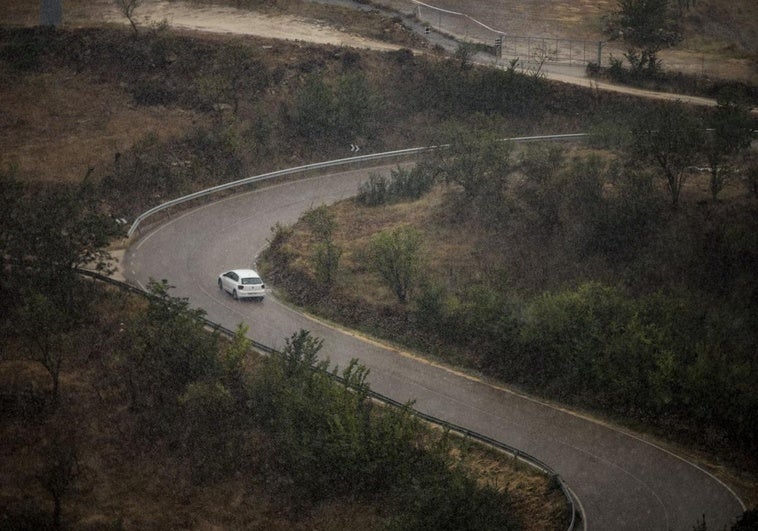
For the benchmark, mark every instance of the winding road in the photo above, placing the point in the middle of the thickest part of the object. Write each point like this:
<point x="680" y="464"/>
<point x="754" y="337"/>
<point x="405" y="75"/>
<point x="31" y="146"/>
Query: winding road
<point x="620" y="481"/>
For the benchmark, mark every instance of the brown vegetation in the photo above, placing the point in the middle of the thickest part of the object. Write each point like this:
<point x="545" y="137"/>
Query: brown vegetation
<point x="77" y="113"/>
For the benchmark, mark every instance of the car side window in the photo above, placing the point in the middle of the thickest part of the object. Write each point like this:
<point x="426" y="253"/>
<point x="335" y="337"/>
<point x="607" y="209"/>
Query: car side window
<point x="234" y="276"/>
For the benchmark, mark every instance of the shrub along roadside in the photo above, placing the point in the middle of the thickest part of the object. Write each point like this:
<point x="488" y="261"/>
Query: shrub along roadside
<point x="280" y="424"/>
<point x="641" y="312"/>
<point x="331" y="440"/>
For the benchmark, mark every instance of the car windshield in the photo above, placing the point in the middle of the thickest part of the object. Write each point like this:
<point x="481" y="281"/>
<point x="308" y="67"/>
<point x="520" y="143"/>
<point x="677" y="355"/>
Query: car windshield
<point x="251" y="280"/>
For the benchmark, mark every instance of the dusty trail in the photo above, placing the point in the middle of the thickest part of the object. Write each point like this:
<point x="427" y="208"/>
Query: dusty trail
<point x="229" y="20"/>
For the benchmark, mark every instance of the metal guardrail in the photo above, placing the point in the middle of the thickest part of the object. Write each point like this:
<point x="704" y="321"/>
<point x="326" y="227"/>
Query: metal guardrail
<point x="322" y="165"/>
<point x="515" y="452"/>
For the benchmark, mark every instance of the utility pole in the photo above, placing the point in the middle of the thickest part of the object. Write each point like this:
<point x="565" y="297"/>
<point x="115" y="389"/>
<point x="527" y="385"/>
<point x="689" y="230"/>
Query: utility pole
<point x="51" y="13"/>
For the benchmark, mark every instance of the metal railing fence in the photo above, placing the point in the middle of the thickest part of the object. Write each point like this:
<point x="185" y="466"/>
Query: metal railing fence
<point x="465" y="432"/>
<point x="526" y="48"/>
<point x="387" y="155"/>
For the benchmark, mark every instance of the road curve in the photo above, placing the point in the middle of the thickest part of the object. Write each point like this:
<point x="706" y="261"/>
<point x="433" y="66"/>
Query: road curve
<point x="621" y="481"/>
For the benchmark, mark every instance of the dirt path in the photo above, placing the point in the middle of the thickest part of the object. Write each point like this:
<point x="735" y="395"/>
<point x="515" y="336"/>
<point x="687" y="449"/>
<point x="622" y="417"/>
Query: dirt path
<point x="220" y="19"/>
<point x="228" y="20"/>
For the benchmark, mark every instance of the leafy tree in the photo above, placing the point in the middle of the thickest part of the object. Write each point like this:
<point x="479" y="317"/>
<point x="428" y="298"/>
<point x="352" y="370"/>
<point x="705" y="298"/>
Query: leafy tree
<point x="316" y="425"/>
<point x="234" y="72"/>
<point x="539" y="190"/>
<point x="411" y="184"/>
<point x="647" y="26"/>
<point x="395" y="255"/>
<point x="481" y="165"/>
<point x="357" y="105"/>
<point x="329" y="439"/>
<point x="476" y="162"/>
<point x="327" y="253"/>
<point x="232" y="360"/>
<point x="162" y="351"/>
<point x="56" y="230"/>
<point x="45" y="329"/>
<point x="327" y="258"/>
<point x="335" y="112"/>
<point x="730" y="132"/>
<point x="464" y="53"/>
<point x="584" y="207"/>
<point x="446" y="499"/>
<point x="562" y="332"/>
<point x="632" y="217"/>
<point x="593" y="343"/>
<point x="314" y="109"/>
<point x="215" y="154"/>
<point x="668" y="134"/>
<point x="208" y="428"/>
<point x="321" y="222"/>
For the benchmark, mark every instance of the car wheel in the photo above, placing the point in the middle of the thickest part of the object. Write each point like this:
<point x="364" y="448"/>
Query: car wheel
<point x="234" y="295"/>
<point x="220" y="286"/>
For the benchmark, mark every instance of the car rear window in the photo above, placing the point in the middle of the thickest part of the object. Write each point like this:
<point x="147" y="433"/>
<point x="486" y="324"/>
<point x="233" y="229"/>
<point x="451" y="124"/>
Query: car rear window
<point x="251" y="280"/>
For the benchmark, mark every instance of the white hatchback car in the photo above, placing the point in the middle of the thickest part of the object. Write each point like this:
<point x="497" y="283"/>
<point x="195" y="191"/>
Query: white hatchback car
<point x="242" y="284"/>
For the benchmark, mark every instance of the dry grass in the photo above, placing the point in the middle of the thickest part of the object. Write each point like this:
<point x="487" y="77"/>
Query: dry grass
<point x="531" y="493"/>
<point x="57" y="124"/>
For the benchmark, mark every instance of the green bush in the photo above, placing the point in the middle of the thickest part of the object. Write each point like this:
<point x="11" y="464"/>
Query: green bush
<point x="374" y="191"/>
<point x="402" y="185"/>
<point x="454" y="88"/>
<point x="330" y="440"/>
<point x="338" y="111"/>
<point x="161" y="353"/>
<point x="209" y="437"/>
<point x="411" y="184"/>
<point x="444" y="498"/>
<point x="323" y="434"/>
<point x="395" y="256"/>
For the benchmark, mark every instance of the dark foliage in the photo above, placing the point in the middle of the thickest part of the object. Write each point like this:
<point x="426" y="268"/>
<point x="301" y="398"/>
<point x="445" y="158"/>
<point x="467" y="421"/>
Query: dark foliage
<point x="329" y="440"/>
<point x="402" y="185"/>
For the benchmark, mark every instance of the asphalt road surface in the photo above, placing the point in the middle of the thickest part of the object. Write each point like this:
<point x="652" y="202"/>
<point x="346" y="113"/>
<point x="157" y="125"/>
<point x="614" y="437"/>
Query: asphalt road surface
<point x="620" y="481"/>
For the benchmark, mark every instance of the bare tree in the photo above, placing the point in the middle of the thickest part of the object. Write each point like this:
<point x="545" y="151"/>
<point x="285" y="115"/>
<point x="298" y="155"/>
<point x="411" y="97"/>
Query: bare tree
<point x="127" y="7"/>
